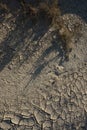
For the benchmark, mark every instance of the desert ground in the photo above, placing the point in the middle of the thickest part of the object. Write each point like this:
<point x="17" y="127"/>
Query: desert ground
<point x="39" y="89"/>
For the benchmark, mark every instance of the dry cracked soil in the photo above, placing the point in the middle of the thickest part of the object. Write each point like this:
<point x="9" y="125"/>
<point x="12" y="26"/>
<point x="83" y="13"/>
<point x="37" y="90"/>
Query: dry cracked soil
<point x="39" y="89"/>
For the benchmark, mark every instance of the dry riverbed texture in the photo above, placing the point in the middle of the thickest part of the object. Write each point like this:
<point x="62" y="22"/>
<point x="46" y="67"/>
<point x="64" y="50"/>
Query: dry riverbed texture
<point x="39" y="89"/>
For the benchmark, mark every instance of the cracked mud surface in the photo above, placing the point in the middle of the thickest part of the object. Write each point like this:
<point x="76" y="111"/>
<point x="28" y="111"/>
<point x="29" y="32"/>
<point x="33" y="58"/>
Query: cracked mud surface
<point x="60" y="102"/>
<point x="39" y="90"/>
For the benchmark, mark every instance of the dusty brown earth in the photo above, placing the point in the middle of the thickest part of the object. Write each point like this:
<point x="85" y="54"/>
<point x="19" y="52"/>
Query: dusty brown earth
<point x="39" y="89"/>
